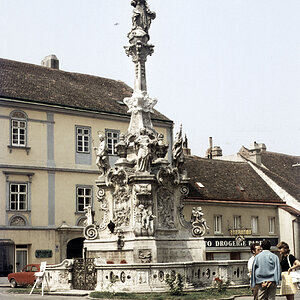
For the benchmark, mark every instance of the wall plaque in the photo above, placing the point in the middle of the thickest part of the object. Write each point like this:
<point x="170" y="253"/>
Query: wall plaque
<point x="43" y="253"/>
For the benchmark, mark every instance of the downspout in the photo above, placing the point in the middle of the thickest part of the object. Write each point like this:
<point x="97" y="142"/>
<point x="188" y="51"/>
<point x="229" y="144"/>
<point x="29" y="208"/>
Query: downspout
<point x="293" y="230"/>
<point x="296" y="237"/>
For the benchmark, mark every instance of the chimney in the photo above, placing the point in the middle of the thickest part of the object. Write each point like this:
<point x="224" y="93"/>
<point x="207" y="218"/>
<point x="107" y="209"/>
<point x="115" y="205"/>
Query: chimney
<point x="212" y="152"/>
<point x="216" y="151"/>
<point x="255" y="151"/>
<point x="51" y="61"/>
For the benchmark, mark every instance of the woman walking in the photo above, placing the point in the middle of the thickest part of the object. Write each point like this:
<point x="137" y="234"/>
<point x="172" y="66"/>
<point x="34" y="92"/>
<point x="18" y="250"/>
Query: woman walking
<point x="288" y="263"/>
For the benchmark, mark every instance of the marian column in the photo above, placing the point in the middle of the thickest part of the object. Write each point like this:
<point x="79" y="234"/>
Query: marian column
<point x="139" y="213"/>
<point x="140" y="104"/>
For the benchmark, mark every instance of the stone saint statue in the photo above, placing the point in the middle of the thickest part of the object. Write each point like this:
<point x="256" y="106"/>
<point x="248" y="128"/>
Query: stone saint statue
<point x="89" y="215"/>
<point x="142" y="16"/>
<point x="144" y="154"/>
<point x="146" y="218"/>
<point x="102" y="157"/>
<point x="178" y="149"/>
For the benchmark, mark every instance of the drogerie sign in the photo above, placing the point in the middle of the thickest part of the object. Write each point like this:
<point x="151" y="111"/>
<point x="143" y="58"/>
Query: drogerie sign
<point x="231" y="242"/>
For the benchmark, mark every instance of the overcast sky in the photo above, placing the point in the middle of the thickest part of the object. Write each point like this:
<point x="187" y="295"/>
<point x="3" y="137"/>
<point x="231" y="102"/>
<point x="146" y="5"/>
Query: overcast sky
<point x="229" y="69"/>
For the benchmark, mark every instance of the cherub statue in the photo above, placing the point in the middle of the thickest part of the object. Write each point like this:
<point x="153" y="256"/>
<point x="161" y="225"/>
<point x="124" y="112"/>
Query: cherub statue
<point x="199" y="223"/>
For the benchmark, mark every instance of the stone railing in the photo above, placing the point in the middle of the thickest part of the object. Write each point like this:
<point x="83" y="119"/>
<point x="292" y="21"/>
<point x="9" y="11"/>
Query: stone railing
<point x="59" y="277"/>
<point x="151" y="277"/>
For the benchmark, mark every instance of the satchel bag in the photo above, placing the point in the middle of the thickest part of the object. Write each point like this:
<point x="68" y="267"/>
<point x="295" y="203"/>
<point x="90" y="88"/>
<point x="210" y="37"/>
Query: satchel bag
<point x="294" y="274"/>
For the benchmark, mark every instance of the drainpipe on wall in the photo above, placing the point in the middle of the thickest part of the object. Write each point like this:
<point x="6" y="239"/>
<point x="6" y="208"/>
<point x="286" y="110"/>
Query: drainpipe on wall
<point x="296" y="238"/>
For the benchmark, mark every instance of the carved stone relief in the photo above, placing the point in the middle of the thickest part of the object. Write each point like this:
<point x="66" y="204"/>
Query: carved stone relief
<point x="165" y="208"/>
<point x="104" y="207"/>
<point x="121" y="217"/>
<point x="184" y="190"/>
<point x="142" y="189"/>
<point x="168" y="175"/>
<point x="143" y="218"/>
<point x="17" y="221"/>
<point x="145" y="256"/>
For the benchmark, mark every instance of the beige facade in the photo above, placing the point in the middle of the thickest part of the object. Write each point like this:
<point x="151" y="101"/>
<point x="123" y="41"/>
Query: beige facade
<point x="39" y="210"/>
<point x="261" y="221"/>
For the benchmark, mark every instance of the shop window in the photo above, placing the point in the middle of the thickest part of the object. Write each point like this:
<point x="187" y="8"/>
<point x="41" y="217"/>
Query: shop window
<point x="83" y="197"/>
<point x="218" y="224"/>
<point x="209" y="256"/>
<point x="271" y="225"/>
<point x="254" y="225"/>
<point x="236" y="222"/>
<point x="112" y="138"/>
<point x="235" y="256"/>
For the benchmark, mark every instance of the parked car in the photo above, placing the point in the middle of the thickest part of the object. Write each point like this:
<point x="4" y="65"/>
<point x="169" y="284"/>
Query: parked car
<point x="25" y="277"/>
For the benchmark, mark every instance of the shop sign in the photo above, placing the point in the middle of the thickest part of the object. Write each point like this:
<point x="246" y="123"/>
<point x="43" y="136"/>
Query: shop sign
<point x="231" y="242"/>
<point x="240" y="231"/>
<point x="43" y="253"/>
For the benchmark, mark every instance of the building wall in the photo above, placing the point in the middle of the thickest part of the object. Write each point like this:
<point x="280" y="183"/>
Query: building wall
<point x="52" y="171"/>
<point x="222" y="245"/>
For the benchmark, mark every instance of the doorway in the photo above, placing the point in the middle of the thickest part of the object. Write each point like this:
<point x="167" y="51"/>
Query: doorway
<point x="21" y="259"/>
<point x="75" y="248"/>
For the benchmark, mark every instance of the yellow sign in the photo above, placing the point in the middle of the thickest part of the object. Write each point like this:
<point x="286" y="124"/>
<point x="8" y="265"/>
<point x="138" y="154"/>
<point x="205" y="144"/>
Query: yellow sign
<point x="240" y="231"/>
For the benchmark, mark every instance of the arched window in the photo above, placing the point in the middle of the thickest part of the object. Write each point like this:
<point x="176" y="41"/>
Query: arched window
<point x="18" y="121"/>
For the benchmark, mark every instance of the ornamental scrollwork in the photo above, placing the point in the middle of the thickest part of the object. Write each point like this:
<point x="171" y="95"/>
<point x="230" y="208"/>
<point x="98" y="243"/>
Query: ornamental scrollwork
<point x="198" y="222"/>
<point x="90" y="232"/>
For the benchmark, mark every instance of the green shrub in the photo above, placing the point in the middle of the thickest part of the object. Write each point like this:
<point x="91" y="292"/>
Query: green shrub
<point x="175" y="283"/>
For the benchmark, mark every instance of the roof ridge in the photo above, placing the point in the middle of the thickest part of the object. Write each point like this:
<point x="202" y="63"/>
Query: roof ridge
<point x="281" y="154"/>
<point x="276" y="175"/>
<point x="62" y="71"/>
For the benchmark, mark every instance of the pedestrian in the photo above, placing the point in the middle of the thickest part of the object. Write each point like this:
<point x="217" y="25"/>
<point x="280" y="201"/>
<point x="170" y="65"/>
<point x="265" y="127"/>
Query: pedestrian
<point x="265" y="275"/>
<point x="255" y="249"/>
<point x="288" y="262"/>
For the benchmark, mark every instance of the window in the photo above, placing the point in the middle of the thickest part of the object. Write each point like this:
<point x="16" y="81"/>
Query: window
<point x="236" y="222"/>
<point x="254" y="225"/>
<point x="218" y="224"/>
<point x="112" y="138"/>
<point x="18" y="121"/>
<point x="84" y="197"/>
<point x="83" y="139"/>
<point x="34" y="269"/>
<point x="18" y="196"/>
<point x="272" y="225"/>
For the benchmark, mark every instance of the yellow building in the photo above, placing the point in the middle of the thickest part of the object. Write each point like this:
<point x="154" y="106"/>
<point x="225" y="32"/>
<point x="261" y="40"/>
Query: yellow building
<point x="49" y="121"/>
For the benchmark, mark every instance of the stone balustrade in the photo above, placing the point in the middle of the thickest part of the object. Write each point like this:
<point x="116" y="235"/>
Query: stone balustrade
<point x="151" y="277"/>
